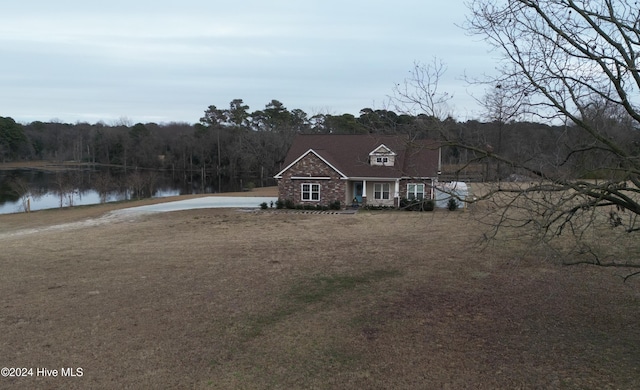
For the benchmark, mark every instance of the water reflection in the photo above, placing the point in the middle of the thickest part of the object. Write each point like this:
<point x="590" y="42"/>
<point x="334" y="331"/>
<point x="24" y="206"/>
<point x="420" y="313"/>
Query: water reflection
<point x="39" y="190"/>
<point x="51" y="200"/>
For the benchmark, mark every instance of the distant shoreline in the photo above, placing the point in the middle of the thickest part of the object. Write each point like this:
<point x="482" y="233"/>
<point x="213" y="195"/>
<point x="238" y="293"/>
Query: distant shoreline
<point x="54" y="166"/>
<point x="43" y="165"/>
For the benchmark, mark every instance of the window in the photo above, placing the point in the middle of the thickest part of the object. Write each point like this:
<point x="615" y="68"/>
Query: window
<point x="311" y="192"/>
<point x="415" y="191"/>
<point x="385" y="161"/>
<point x="382" y="156"/>
<point x="381" y="191"/>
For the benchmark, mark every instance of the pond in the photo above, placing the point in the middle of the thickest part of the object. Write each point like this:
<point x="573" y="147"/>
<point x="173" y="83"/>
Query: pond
<point x="34" y="189"/>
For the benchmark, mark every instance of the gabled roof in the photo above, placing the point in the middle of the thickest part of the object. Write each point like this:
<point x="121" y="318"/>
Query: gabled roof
<point x="349" y="155"/>
<point x="383" y="149"/>
<point x="303" y="156"/>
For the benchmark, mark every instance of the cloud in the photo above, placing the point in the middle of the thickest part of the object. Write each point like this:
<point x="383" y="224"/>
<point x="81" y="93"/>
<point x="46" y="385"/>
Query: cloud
<point x="155" y="59"/>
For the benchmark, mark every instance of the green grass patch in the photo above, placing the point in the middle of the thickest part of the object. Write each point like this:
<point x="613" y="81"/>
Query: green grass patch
<point x="256" y="324"/>
<point x="318" y="288"/>
<point x="337" y="356"/>
<point x="310" y="291"/>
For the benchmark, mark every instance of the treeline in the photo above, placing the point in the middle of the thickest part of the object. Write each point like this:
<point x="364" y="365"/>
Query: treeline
<point x="235" y="148"/>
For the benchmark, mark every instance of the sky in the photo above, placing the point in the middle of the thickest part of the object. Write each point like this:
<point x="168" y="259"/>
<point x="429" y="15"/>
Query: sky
<point x="167" y="61"/>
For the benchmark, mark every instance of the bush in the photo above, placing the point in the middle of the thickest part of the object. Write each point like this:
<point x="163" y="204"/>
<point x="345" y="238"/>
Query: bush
<point x="417" y="205"/>
<point x="289" y="204"/>
<point x="412" y="205"/>
<point x="379" y="207"/>
<point x="335" y="205"/>
<point x="264" y="205"/>
<point x="452" y="204"/>
<point x="280" y="204"/>
<point x="428" y="205"/>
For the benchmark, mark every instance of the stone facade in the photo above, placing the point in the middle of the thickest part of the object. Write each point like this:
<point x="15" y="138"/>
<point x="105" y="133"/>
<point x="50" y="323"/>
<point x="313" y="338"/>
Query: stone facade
<point x="332" y="186"/>
<point x="321" y="169"/>
<point x="313" y="170"/>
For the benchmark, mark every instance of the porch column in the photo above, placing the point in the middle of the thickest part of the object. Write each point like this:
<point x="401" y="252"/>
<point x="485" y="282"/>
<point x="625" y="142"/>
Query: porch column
<point x="433" y="190"/>
<point x="396" y="194"/>
<point x="364" y="192"/>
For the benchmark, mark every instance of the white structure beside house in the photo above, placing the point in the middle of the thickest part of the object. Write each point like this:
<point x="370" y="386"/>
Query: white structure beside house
<point x="456" y="189"/>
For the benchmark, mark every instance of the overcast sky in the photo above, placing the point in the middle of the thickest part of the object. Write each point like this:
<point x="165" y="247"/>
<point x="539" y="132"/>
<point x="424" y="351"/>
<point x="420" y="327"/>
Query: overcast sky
<point x="166" y="60"/>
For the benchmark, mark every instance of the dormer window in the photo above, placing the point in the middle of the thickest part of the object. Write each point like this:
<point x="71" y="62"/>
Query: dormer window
<point x="382" y="156"/>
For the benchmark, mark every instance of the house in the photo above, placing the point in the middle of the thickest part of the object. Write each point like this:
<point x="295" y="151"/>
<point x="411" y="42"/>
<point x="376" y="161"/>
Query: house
<point x="364" y="169"/>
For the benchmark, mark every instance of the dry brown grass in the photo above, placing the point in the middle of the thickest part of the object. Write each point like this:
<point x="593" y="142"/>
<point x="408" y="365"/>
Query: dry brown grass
<point x="224" y="299"/>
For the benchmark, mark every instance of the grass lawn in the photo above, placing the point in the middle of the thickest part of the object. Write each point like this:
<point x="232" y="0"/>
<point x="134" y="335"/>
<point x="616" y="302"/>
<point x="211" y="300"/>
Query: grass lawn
<point x="226" y="299"/>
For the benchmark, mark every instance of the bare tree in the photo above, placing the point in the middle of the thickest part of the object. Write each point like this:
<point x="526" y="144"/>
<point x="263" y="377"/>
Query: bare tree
<point x="25" y="191"/>
<point x="103" y="182"/>
<point x="500" y="108"/>
<point x="420" y="94"/>
<point x="65" y="186"/>
<point x="576" y="62"/>
<point x="136" y="183"/>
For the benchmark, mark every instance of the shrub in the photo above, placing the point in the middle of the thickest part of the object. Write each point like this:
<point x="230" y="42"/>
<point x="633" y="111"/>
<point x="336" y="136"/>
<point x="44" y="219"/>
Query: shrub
<point x="452" y="204"/>
<point x="335" y="205"/>
<point x="417" y="205"/>
<point x="280" y="204"/>
<point x="378" y="207"/>
<point x="289" y="204"/>
<point x="264" y="205"/>
<point x="414" y="205"/>
<point x="410" y="204"/>
<point x="428" y="205"/>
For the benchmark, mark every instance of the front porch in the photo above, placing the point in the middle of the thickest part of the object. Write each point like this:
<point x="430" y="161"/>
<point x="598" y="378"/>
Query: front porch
<point x="376" y="192"/>
<point x="386" y="192"/>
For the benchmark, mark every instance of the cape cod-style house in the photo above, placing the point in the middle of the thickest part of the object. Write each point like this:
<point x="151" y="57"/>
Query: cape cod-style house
<point x="364" y="169"/>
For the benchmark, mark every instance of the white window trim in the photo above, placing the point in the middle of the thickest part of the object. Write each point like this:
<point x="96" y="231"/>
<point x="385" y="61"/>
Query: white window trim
<point x="310" y="192"/>
<point x="416" y="192"/>
<point x="310" y="177"/>
<point x="382" y="191"/>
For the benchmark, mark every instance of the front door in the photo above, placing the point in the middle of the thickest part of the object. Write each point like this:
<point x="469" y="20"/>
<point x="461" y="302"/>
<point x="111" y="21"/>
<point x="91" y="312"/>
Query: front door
<point x="357" y="191"/>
